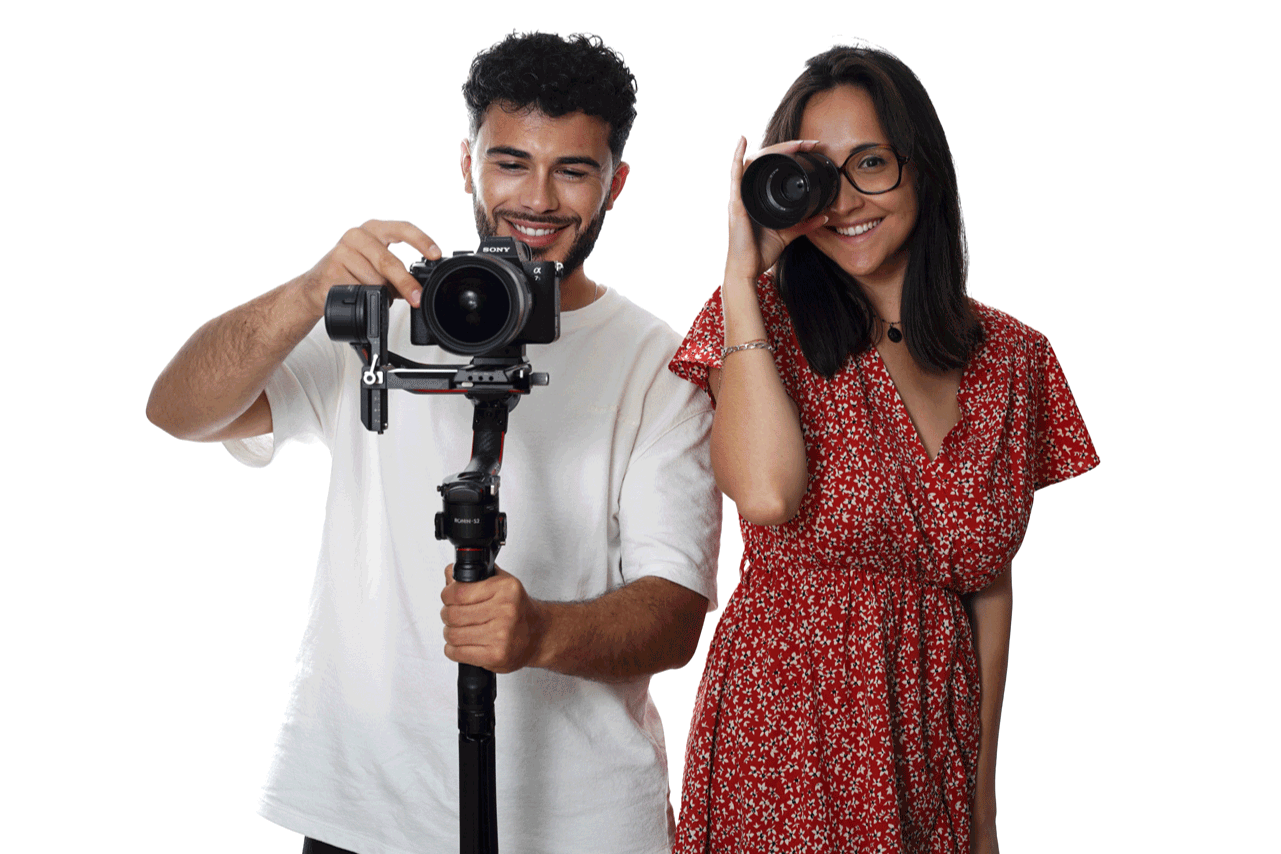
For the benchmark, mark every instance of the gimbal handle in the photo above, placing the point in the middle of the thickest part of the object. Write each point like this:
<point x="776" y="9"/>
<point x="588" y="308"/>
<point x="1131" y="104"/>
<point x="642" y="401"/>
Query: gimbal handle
<point x="470" y="518"/>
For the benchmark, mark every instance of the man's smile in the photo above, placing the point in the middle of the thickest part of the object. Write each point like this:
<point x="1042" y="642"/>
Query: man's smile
<point x="536" y="232"/>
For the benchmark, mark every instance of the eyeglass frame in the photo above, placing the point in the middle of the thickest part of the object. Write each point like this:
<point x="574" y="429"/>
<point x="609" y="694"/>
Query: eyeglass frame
<point x="863" y="149"/>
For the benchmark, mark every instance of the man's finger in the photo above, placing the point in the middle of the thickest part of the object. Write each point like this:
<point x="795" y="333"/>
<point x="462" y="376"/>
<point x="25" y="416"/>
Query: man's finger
<point x="397" y="231"/>
<point x="369" y="242"/>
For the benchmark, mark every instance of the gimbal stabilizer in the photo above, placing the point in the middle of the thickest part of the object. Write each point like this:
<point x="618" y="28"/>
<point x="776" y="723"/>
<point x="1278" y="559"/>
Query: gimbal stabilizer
<point x="470" y="519"/>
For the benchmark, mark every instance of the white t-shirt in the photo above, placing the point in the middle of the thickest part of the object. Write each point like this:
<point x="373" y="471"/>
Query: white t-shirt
<point x="605" y="479"/>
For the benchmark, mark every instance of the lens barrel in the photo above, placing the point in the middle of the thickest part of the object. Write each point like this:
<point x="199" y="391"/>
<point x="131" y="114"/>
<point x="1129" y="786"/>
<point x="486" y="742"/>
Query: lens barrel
<point x="473" y="305"/>
<point x="782" y="190"/>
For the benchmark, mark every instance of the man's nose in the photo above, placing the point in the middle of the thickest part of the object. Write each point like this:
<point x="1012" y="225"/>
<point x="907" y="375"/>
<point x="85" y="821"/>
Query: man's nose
<point x="538" y="193"/>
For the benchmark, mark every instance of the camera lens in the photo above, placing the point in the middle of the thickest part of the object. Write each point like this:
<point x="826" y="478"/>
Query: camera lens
<point x="793" y="189"/>
<point x="474" y="305"/>
<point x="781" y="190"/>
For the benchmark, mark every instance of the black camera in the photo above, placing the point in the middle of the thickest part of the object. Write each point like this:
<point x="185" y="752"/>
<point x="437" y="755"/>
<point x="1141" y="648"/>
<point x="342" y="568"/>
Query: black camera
<point x="477" y="303"/>
<point x="783" y="190"/>
<point x="487" y="305"/>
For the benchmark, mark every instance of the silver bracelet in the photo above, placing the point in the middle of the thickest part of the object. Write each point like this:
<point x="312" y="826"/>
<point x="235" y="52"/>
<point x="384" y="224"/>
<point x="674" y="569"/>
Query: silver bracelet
<point x="758" y="344"/>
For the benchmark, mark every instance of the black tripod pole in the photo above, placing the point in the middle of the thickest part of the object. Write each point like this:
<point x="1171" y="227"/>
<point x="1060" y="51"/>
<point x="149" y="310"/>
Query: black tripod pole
<point x="472" y="522"/>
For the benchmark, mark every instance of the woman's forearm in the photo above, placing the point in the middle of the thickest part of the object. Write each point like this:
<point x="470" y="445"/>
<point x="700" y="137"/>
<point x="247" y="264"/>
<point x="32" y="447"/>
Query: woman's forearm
<point x="758" y="450"/>
<point x="990" y="610"/>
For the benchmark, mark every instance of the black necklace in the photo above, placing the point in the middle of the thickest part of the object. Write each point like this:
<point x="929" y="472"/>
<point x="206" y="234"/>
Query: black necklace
<point x="893" y="333"/>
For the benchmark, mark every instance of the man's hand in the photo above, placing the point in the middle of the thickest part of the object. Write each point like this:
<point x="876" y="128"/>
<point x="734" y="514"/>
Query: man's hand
<point x="362" y="257"/>
<point x="492" y="623"/>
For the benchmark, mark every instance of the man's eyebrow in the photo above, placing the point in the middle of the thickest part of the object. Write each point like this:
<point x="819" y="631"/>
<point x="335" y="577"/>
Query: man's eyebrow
<point x="572" y="160"/>
<point x="577" y="161"/>
<point x="498" y="150"/>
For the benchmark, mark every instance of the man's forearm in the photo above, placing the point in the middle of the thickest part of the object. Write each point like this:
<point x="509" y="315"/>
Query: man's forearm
<point x="212" y="389"/>
<point x="643" y="628"/>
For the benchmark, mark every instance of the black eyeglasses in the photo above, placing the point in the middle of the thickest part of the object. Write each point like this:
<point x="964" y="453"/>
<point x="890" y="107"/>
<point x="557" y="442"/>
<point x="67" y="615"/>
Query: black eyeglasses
<point x="874" y="170"/>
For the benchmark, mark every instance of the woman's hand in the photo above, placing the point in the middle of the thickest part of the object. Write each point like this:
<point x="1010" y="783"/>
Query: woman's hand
<point x="753" y="249"/>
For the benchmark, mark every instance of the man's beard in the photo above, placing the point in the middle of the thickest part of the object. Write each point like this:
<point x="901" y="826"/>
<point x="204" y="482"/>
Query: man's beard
<point x="582" y="246"/>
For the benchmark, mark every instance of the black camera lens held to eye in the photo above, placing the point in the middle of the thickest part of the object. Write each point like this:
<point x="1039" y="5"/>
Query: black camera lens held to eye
<point x="783" y="190"/>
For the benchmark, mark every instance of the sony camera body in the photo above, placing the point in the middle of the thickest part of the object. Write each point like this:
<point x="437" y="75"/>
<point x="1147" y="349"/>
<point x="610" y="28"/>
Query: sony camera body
<point x="486" y="305"/>
<point x="478" y="303"/>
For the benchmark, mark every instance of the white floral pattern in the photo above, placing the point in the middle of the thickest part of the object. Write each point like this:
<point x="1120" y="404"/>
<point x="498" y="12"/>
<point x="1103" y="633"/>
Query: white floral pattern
<point x="838" y="711"/>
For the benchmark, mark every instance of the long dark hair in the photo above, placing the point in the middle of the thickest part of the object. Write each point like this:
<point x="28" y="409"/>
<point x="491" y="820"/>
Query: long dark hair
<point x="831" y="314"/>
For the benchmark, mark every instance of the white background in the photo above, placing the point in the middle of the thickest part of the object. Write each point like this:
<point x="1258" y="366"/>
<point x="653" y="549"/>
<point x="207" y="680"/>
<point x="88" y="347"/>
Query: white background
<point x="165" y="162"/>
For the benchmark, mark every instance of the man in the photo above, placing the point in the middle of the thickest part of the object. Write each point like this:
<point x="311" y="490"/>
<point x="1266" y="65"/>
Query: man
<point x="613" y="515"/>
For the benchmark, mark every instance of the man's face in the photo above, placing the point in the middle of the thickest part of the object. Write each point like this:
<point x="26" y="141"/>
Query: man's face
<point x="545" y="181"/>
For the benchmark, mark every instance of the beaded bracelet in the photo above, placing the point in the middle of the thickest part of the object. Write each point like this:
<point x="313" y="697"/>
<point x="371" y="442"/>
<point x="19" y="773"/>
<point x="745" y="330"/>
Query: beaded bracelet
<point x="757" y="344"/>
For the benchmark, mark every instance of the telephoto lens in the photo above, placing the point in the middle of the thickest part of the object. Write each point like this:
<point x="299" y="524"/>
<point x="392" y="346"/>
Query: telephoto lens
<point x="783" y="190"/>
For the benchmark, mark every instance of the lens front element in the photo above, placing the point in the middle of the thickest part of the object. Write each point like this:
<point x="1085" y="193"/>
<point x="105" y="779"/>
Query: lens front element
<point x="474" y="305"/>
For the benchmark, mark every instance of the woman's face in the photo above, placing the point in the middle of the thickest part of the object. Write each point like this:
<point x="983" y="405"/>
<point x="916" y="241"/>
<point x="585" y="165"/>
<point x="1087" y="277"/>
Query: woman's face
<point x="865" y="235"/>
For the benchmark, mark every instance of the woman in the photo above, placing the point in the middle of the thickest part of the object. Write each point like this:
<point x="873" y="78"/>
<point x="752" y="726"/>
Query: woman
<point x="882" y="436"/>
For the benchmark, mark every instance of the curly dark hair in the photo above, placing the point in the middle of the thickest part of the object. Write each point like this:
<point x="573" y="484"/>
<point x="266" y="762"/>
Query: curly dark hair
<point x="556" y="76"/>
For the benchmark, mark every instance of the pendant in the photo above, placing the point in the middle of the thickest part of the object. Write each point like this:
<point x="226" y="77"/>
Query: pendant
<point x="894" y="335"/>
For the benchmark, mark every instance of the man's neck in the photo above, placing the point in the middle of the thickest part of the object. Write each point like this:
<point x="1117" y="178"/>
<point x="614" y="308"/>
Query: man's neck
<point x="577" y="291"/>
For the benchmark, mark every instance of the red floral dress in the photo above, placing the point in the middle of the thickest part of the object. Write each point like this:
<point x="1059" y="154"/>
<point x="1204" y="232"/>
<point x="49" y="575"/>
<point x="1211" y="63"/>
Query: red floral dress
<point x="839" y="709"/>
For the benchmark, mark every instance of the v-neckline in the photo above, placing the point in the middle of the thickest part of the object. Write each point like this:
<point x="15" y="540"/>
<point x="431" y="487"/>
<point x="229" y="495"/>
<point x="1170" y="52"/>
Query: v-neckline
<point x="904" y="418"/>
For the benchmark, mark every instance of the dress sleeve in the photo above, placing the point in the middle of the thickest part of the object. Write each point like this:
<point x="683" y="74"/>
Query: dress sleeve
<point x="1061" y="446"/>
<point x="701" y="349"/>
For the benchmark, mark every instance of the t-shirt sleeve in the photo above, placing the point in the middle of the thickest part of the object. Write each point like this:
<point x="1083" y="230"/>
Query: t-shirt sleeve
<point x="669" y="507"/>
<point x="1061" y="446"/>
<point x="304" y="394"/>
<point x="701" y="349"/>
